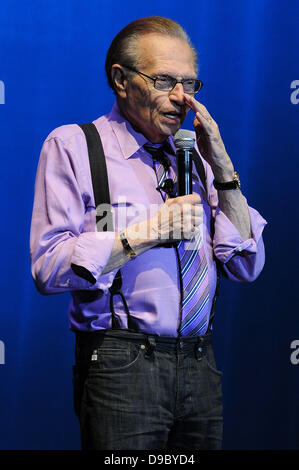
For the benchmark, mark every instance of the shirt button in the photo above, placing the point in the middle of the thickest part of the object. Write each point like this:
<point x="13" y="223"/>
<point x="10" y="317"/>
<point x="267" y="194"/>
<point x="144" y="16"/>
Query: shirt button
<point x="240" y="249"/>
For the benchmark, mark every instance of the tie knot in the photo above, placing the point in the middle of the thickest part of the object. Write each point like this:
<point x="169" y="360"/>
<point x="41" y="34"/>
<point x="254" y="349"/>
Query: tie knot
<point x="157" y="152"/>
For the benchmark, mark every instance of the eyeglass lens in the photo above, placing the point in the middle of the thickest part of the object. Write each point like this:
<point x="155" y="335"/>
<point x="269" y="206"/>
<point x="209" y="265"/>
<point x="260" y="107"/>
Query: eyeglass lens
<point x="168" y="83"/>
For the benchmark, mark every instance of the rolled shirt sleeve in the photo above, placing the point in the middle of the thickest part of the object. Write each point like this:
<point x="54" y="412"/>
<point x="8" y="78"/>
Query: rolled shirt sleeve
<point x="242" y="260"/>
<point x="63" y="233"/>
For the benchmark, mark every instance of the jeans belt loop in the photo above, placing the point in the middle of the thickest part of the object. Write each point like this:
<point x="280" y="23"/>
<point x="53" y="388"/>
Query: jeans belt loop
<point x="199" y="348"/>
<point x="151" y="343"/>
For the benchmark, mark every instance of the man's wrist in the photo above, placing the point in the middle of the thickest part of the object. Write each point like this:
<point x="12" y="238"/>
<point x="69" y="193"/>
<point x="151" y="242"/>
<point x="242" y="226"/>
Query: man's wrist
<point x="234" y="183"/>
<point x="223" y="176"/>
<point x="223" y="173"/>
<point x="138" y="237"/>
<point x="223" y="169"/>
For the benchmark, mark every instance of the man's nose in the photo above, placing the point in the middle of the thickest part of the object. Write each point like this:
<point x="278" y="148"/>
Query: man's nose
<point x="177" y="93"/>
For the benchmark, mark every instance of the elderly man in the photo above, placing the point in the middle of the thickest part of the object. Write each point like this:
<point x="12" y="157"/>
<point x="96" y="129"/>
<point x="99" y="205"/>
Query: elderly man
<point x="145" y="375"/>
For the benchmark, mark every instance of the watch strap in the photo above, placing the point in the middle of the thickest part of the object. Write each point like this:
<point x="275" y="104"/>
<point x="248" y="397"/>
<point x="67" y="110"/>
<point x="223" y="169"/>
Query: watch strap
<point x="234" y="184"/>
<point x="126" y="245"/>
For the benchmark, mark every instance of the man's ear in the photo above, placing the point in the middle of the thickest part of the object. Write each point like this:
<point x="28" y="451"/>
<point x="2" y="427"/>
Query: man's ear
<point x="119" y="80"/>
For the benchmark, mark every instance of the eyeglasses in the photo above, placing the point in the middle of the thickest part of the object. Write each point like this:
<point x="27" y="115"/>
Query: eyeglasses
<point x="167" y="83"/>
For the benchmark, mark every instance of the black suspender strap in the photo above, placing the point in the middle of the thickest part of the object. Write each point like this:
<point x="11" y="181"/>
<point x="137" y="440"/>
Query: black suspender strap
<point x="199" y="168"/>
<point x="99" y="173"/>
<point x="100" y="186"/>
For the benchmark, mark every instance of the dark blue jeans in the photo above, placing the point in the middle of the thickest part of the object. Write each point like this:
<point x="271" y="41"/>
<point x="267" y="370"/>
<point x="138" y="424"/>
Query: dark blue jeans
<point x="133" y="392"/>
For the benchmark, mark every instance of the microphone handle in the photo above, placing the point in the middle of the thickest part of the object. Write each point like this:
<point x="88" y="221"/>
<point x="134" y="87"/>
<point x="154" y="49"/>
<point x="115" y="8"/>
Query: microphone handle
<point x="184" y="171"/>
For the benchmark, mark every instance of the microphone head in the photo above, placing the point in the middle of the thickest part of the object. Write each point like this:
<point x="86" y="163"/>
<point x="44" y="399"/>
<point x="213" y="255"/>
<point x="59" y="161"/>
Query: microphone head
<point x="184" y="139"/>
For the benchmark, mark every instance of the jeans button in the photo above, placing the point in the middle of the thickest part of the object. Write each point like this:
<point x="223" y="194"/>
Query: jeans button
<point x="198" y="353"/>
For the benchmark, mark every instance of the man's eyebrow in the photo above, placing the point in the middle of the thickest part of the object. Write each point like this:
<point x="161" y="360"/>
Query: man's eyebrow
<point x="168" y="74"/>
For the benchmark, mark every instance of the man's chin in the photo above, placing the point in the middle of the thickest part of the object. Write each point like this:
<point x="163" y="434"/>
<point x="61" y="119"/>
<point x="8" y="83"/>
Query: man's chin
<point x="168" y="132"/>
<point x="164" y="131"/>
<point x="171" y="129"/>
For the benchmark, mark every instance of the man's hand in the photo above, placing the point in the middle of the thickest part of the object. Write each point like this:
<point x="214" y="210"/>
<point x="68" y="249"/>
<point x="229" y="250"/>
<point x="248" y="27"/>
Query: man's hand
<point x="178" y="219"/>
<point x="212" y="149"/>
<point x="209" y="141"/>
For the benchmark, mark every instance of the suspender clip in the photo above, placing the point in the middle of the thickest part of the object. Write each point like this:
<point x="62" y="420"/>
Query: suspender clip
<point x="151" y="343"/>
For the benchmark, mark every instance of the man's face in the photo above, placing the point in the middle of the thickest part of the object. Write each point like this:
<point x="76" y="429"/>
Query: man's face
<point x="158" y="114"/>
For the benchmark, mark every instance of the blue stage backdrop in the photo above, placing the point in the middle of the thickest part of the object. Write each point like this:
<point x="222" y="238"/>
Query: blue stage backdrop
<point x="52" y="73"/>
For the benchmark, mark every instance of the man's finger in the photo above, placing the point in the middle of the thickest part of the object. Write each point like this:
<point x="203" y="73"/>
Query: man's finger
<point x="193" y="198"/>
<point x="201" y="112"/>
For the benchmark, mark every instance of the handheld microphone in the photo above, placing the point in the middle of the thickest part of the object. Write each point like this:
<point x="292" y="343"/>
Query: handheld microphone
<point x="184" y="142"/>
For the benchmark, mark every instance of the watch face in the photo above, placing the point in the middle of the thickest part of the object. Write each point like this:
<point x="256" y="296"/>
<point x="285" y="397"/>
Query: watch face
<point x="237" y="180"/>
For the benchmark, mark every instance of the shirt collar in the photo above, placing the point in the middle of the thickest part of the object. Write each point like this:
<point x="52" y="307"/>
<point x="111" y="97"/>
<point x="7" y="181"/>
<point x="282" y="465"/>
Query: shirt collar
<point x="129" y="140"/>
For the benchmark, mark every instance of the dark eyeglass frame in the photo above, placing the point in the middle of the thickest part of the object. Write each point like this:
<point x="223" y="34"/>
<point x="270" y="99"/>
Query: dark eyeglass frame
<point x="197" y="83"/>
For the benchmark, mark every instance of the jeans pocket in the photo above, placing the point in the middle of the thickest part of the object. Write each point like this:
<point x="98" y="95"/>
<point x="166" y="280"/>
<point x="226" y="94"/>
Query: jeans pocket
<point x="110" y="359"/>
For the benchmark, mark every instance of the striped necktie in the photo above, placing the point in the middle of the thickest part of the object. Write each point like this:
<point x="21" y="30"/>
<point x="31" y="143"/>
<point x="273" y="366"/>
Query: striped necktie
<point x="165" y="174"/>
<point x="193" y="263"/>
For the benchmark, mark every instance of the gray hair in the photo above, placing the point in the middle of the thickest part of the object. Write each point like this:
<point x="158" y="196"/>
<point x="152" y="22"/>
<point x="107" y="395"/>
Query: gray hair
<point x="124" y="49"/>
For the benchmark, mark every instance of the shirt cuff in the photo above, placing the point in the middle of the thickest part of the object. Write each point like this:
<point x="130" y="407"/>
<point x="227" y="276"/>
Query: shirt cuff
<point x="91" y="255"/>
<point x="228" y="241"/>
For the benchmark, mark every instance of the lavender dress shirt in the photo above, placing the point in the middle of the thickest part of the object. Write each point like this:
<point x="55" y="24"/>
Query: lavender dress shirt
<point x="63" y="231"/>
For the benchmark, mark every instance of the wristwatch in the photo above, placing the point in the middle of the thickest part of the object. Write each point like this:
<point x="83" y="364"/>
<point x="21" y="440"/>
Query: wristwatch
<point x="126" y="245"/>
<point x="234" y="184"/>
